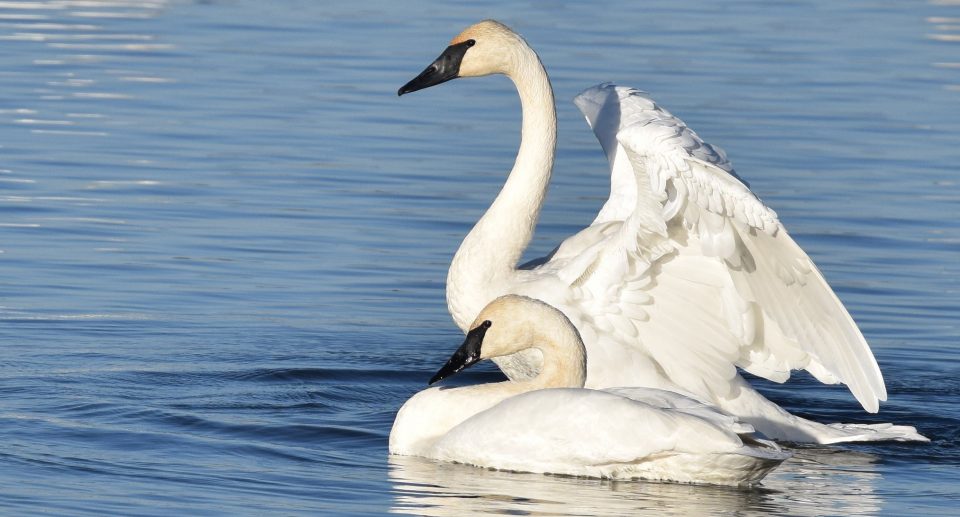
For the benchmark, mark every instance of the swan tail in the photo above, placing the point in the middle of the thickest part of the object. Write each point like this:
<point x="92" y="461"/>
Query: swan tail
<point x="799" y="430"/>
<point x="874" y="433"/>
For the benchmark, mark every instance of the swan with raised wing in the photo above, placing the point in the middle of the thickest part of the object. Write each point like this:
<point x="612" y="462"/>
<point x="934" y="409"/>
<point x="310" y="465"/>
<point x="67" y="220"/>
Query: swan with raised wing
<point x="684" y="275"/>
<point x="549" y="423"/>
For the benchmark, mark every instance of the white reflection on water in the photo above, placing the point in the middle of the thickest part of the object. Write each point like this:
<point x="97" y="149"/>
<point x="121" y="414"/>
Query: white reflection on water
<point x="816" y="481"/>
<point x="946" y="29"/>
<point x="70" y="48"/>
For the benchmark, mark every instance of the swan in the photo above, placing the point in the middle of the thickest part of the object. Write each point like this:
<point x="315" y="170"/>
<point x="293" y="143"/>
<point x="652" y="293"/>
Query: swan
<point x="551" y="424"/>
<point x="683" y="277"/>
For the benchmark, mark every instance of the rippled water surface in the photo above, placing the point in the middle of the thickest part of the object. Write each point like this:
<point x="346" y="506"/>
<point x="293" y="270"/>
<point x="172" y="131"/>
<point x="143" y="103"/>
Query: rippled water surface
<point x="224" y="239"/>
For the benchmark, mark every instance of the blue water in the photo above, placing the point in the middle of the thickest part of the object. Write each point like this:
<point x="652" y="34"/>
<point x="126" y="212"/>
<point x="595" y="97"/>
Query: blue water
<point x="224" y="239"/>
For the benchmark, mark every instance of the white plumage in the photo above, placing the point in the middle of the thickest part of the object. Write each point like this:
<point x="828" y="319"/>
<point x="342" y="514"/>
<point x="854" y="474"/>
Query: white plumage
<point x="683" y="277"/>
<point x="552" y="424"/>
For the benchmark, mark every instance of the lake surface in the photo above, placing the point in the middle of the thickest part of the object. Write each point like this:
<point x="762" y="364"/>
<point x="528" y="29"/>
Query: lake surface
<point x="224" y="239"/>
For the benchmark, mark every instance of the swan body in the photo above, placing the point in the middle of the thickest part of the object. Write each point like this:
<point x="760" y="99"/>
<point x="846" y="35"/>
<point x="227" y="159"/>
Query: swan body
<point x="683" y="277"/>
<point x="551" y="424"/>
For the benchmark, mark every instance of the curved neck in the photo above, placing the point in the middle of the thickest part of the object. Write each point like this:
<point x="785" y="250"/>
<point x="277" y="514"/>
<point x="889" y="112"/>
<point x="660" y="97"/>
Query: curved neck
<point x="489" y="254"/>
<point x="564" y="358"/>
<point x="520" y="323"/>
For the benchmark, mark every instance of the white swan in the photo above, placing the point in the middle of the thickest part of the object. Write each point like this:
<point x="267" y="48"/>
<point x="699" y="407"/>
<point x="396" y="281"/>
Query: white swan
<point x="684" y="275"/>
<point x="616" y="433"/>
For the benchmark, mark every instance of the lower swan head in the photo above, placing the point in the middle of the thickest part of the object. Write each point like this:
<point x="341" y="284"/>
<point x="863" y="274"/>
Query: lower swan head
<point x="513" y="323"/>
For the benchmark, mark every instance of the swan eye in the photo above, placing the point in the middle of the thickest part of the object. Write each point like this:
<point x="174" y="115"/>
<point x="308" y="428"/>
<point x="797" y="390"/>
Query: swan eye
<point x="470" y="42"/>
<point x="486" y="324"/>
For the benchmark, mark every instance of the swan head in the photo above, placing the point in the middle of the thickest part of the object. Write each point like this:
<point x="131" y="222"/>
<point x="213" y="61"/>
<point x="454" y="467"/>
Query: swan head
<point x="512" y="323"/>
<point x="483" y="48"/>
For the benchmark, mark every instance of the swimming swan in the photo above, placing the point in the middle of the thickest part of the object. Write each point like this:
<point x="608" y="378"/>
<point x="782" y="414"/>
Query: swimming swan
<point x="566" y="429"/>
<point x="683" y="276"/>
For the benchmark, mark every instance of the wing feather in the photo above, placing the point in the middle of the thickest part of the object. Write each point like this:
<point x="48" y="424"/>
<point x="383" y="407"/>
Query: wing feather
<point x="702" y="274"/>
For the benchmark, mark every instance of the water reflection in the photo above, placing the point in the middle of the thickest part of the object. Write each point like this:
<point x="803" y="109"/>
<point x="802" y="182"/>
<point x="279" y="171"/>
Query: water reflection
<point x="816" y="481"/>
<point x="73" y="35"/>
<point x="946" y="29"/>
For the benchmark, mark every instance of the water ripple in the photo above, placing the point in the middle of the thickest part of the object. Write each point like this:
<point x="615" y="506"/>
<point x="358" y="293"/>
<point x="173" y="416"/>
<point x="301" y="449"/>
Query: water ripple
<point x="224" y="240"/>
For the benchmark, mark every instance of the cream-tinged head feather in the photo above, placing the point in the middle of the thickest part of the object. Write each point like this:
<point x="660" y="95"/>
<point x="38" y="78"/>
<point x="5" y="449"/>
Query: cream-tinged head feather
<point x="497" y="49"/>
<point x="516" y="323"/>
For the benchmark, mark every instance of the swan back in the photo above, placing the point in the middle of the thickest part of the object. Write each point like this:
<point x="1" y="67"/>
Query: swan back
<point x="600" y="434"/>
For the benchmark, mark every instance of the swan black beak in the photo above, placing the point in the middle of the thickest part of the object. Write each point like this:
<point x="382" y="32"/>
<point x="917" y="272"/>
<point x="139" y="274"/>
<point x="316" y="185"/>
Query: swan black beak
<point x="443" y="69"/>
<point x="465" y="356"/>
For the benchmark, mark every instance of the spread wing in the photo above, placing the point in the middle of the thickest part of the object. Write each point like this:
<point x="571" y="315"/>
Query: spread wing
<point x="687" y="265"/>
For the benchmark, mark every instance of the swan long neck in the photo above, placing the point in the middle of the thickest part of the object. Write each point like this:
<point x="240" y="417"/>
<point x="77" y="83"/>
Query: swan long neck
<point x="488" y="256"/>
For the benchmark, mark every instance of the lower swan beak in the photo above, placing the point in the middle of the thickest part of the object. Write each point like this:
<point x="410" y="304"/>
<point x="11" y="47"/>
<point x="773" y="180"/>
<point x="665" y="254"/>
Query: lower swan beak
<point x="467" y="355"/>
